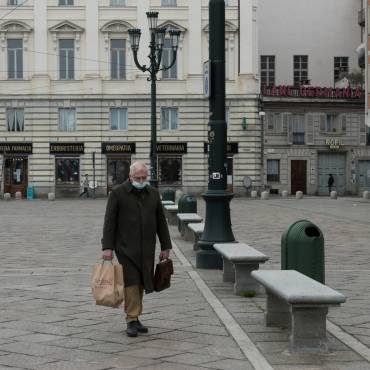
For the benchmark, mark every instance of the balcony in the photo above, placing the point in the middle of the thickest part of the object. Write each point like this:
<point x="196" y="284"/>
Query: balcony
<point x="361" y="17"/>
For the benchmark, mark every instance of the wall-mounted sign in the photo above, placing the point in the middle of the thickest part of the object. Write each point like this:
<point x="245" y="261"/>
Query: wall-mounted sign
<point x="312" y="92"/>
<point x="170" y="148"/>
<point x="118" y="148"/>
<point x="232" y="148"/>
<point x="334" y="143"/>
<point x="67" y="148"/>
<point x="15" y="148"/>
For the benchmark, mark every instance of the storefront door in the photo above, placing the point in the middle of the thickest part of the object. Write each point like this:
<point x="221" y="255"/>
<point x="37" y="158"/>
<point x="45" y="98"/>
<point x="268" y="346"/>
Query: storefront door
<point x="364" y="176"/>
<point x="298" y="176"/>
<point x="15" y="175"/>
<point x="118" y="170"/>
<point x="335" y="164"/>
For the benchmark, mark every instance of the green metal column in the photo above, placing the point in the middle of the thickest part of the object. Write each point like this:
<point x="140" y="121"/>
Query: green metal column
<point x="217" y="227"/>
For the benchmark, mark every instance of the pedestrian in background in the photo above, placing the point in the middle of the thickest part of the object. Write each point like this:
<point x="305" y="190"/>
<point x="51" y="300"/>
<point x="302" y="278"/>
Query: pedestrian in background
<point x="133" y="217"/>
<point x="330" y="182"/>
<point x="85" y="185"/>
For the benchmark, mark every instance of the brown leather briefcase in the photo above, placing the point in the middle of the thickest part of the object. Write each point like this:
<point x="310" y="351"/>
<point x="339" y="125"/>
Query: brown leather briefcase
<point x="162" y="275"/>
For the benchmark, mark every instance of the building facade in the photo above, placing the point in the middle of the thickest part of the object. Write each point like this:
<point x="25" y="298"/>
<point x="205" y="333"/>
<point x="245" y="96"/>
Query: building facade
<point x="312" y="97"/>
<point x="72" y="101"/>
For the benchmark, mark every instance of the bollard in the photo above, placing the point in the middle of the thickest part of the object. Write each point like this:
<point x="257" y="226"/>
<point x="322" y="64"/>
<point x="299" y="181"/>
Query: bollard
<point x="51" y="196"/>
<point x="299" y="194"/>
<point x="284" y="193"/>
<point x="168" y="194"/>
<point x="7" y="196"/>
<point x="302" y="249"/>
<point x="254" y="194"/>
<point x="18" y="195"/>
<point x="366" y="194"/>
<point x="265" y="195"/>
<point x="333" y="195"/>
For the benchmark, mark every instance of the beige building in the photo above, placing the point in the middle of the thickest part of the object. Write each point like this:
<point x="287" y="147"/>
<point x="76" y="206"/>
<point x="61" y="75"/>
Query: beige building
<point x="72" y="101"/>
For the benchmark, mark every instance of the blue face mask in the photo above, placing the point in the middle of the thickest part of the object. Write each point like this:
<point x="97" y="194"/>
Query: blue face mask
<point x="139" y="185"/>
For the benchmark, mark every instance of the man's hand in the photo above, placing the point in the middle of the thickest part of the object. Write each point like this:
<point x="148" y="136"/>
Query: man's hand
<point x="107" y="254"/>
<point x="164" y="254"/>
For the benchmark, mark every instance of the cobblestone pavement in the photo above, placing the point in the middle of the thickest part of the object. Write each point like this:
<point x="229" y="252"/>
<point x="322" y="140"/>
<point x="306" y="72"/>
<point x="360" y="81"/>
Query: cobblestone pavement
<point x="48" y="320"/>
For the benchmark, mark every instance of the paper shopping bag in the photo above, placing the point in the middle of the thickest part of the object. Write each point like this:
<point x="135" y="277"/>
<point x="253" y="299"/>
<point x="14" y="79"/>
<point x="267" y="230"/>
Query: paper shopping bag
<point x="107" y="284"/>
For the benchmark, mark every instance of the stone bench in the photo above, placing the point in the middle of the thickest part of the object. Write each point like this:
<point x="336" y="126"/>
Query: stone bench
<point x="239" y="261"/>
<point x="299" y="303"/>
<point x="171" y="213"/>
<point x="196" y="230"/>
<point x="183" y="220"/>
<point x="168" y="203"/>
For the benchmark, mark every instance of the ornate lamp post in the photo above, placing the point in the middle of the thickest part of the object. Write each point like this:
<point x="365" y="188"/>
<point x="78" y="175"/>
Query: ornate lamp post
<point x="217" y="228"/>
<point x="157" y="37"/>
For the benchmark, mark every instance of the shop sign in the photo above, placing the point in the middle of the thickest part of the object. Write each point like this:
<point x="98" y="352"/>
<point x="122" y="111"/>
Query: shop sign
<point x="334" y="143"/>
<point x="170" y="148"/>
<point x="232" y="148"/>
<point x="118" y="148"/>
<point x="16" y="148"/>
<point x="67" y="148"/>
<point x="312" y="92"/>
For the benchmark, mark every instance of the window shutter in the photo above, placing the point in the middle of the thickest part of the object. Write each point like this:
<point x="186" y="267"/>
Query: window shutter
<point x="310" y="129"/>
<point x="322" y="121"/>
<point x="362" y="129"/>
<point x="270" y="121"/>
<point x="344" y="122"/>
<point x="285" y="121"/>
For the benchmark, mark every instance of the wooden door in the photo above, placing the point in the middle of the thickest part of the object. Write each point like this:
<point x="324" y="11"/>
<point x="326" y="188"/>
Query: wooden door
<point x="298" y="176"/>
<point x="15" y="175"/>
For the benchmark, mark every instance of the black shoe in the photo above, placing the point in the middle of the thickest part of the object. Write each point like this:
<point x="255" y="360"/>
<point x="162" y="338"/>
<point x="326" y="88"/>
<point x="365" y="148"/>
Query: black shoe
<point x="131" y="330"/>
<point x="140" y="327"/>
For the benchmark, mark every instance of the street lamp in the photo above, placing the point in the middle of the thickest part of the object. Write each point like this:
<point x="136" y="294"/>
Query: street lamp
<point x="157" y="37"/>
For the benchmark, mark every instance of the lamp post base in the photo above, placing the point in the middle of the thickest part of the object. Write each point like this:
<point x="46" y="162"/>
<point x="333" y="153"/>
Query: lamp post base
<point x="217" y="229"/>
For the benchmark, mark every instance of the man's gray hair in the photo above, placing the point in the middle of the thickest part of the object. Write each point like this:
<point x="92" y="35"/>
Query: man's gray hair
<point x="137" y="165"/>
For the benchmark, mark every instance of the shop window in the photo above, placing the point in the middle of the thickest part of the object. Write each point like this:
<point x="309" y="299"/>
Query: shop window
<point x="333" y="123"/>
<point x="267" y="70"/>
<point x="118" y="119"/>
<point x="169" y="118"/>
<point x="118" y="3"/>
<point x="15" y="59"/>
<point x="15" y="119"/>
<point x="67" y="119"/>
<point x="170" y="170"/>
<point x="273" y="170"/>
<point x="118" y="59"/>
<point x="118" y="171"/>
<point x="300" y="70"/>
<point x="67" y="171"/>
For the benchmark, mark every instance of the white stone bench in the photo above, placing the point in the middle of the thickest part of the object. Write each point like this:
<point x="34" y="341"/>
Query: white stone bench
<point x="196" y="230"/>
<point x="239" y="261"/>
<point x="183" y="220"/>
<point x="171" y="212"/>
<point x="299" y="303"/>
<point x="168" y="203"/>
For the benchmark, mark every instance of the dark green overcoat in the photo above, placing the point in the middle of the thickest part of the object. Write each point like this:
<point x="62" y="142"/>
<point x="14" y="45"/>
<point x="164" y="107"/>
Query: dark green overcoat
<point x="133" y="218"/>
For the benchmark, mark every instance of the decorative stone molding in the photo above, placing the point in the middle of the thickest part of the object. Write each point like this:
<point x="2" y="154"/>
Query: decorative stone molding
<point x="229" y="27"/>
<point x="66" y="29"/>
<point x="14" y="29"/>
<point x="115" y="28"/>
<point x="170" y="25"/>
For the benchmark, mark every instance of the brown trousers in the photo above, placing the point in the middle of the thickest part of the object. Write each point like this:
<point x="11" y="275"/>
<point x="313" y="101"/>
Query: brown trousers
<point x="133" y="302"/>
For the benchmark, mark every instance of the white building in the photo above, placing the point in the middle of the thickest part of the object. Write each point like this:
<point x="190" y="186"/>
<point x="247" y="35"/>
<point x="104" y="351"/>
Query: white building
<point x="73" y="102"/>
<point x="314" y="121"/>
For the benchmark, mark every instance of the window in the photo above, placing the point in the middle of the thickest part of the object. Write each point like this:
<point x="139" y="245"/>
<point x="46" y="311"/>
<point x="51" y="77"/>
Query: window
<point x="15" y="119"/>
<point x="167" y="58"/>
<point x="118" y="59"/>
<point x="66" y="59"/>
<point x="169" y="119"/>
<point x="168" y="3"/>
<point x="273" y="170"/>
<point x="15" y="2"/>
<point x="67" y="119"/>
<point x="267" y="70"/>
<point x="67" y="171"/>
<point x="300" y="70"/>
<point x="298" y="129"/>
<point x="277" y="122"/>
<point x="117" y="2"/>
<point x="340" y="66"/>
<point x="118" y="119"/>
<point x="15" y="59"/>
<point x="65" y="2"/>
<point x="170" y="170"/>
<point x="333" y="123"/>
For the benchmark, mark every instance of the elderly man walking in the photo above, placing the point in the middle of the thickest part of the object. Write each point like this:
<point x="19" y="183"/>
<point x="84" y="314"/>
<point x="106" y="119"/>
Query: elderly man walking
<point x="133" y="217"/>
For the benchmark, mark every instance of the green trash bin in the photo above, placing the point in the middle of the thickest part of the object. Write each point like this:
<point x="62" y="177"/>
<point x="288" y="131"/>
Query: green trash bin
<point x="186" y="204"/>
<point x="302" y="249"/>
<point x="169" y="194"/>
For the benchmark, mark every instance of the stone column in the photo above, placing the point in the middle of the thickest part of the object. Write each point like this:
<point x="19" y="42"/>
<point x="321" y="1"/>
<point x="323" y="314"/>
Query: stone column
<point x="195" y="38"/>
<point x="246" y="37"/>
<point x="143" y="6"/>
<point x="40" y="41"/>
<point x="92" y="39"/>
